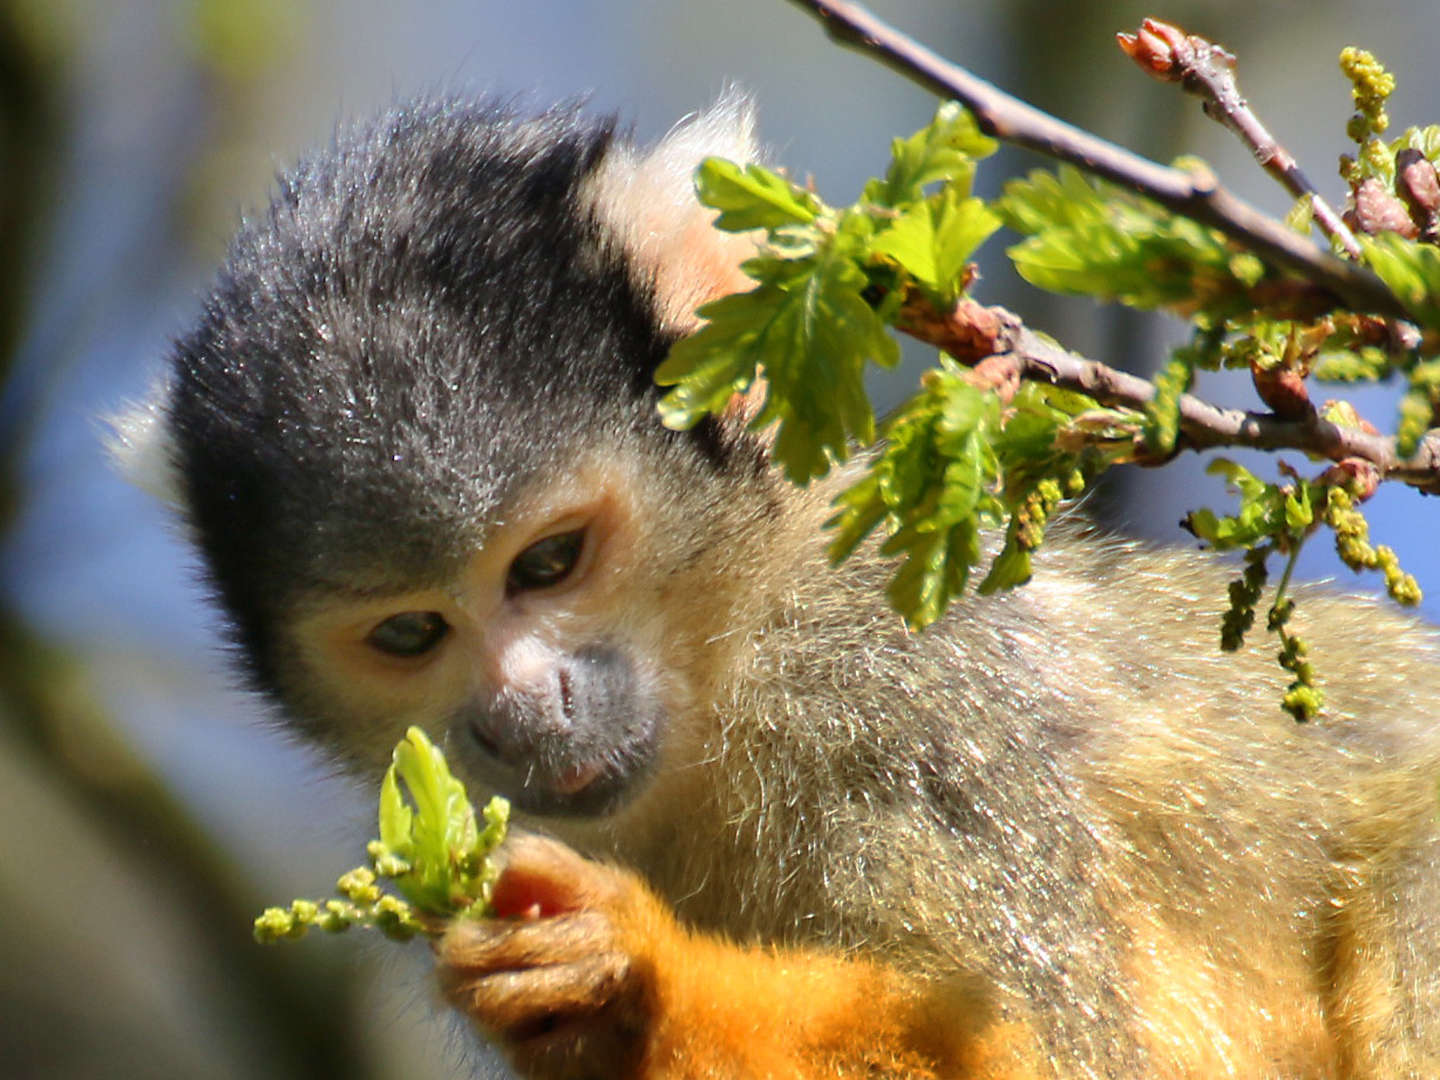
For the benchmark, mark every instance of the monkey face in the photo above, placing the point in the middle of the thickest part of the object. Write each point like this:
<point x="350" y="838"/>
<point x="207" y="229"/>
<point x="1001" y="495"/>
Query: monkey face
<point x="413" y="434"/>
<point x="538" y="664"/>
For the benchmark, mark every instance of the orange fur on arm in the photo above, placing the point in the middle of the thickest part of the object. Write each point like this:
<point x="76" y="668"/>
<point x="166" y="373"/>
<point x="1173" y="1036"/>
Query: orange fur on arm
<point x="722" y="1010"/>
<point x="590" y="975"/>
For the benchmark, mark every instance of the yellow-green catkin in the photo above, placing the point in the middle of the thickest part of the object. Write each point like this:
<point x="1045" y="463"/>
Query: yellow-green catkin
<point x="1370" y="85"/>
<point x="1352" y="544"/>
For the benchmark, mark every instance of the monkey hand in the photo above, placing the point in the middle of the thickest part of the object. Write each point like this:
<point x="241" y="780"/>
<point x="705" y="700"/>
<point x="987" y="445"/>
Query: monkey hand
<point x="554" y="978"/>
<point x="586" y="973"/>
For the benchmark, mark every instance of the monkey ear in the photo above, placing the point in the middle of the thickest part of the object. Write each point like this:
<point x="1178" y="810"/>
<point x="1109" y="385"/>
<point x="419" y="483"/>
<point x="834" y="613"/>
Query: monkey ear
<point x="647" y="199"/>
<point x="141" y="448"/>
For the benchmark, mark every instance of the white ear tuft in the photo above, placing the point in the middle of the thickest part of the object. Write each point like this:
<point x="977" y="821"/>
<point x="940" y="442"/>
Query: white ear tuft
<point x="647" y="198"/>
<point x="726" y="130"/>
<point x="139" y="444"/>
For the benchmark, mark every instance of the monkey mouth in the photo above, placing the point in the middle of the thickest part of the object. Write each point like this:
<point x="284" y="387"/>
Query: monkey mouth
<point x="577" y="778"/>
<point x="588" y="789"/>
<point x="565" y="777"/>
<point x="540" y="784"/>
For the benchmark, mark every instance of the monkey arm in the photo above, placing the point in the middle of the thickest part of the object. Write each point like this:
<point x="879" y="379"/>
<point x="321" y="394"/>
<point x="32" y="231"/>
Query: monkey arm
<point x="588" y="974"/>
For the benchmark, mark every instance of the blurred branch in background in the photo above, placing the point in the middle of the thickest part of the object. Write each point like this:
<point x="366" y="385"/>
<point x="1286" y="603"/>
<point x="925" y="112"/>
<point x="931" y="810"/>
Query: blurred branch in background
<point x="31" y="44"/>
<point x="126" y="949"/>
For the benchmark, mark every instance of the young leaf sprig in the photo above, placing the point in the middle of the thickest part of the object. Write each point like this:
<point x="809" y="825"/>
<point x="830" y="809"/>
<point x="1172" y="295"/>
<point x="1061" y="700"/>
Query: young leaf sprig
<point x="1091" y="238"/>
<point x="828" y="283"/>
<point x="933" y="484"/>
<point x="431" y="850"/>
<point x="826" y="279"/>
<point x="1271" y="518"/>
<point x="1279" y="518"/>
<point x="955" y="461"/>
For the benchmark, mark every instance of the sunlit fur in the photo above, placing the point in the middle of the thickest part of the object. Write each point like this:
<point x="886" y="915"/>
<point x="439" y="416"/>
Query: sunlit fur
<point x="1057" y="835"/>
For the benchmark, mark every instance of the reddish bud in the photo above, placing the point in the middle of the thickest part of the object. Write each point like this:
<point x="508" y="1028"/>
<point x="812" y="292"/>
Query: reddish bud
<point x="1283" y="391"/>
<point x="1416" y="182"/>
<point x="1359" y="477"/>
<point x="1370" y="329"/>
<point x="998" y="373"/>
<point x="1376" y="210"/>
<point x="1158" y="47"/>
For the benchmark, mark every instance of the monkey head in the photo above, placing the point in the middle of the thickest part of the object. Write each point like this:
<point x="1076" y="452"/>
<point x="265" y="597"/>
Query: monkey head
<point x="413" y="434"/>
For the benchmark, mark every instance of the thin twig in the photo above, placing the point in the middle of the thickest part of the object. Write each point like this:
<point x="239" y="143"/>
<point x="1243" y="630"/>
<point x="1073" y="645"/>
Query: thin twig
<point x="1207" y="70"/>
<point x="1010" y="352"/>
<point x="1194" y="193"/>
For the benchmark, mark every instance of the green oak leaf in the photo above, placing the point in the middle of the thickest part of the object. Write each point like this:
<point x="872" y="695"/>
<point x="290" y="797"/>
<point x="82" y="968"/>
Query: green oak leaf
<point x="943" y="151"/>
<point x="752" y="196"/>
<point x="933" y="240"/>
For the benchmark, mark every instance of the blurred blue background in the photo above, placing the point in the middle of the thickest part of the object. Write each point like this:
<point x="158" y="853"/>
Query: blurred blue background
<point x="145" y="798"/>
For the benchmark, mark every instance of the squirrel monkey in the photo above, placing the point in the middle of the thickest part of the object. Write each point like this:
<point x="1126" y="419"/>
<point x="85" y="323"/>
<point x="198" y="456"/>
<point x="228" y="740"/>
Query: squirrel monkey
<point x="414" y="437"/>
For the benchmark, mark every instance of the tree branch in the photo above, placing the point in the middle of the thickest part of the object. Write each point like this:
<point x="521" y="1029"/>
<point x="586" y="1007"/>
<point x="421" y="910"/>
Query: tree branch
<point x="1207" y="70"/>
<point x="1005" y="351"/>
<point x="1195" y="194"/>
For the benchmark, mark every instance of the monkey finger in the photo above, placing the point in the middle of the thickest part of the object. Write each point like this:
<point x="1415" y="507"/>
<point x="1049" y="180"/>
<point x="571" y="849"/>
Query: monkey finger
<point x="476" y="947"/>
<point x="517" y="1005"/>
<point x="543" y="877"/>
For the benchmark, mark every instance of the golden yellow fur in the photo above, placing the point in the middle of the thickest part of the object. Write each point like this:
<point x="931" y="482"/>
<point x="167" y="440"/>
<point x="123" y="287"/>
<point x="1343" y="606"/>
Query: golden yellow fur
<point x="1067" y="800"/>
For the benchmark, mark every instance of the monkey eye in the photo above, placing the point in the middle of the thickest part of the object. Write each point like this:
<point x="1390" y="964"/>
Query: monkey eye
<point x="411" y="633"/>
<point x="545" y="562"/>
